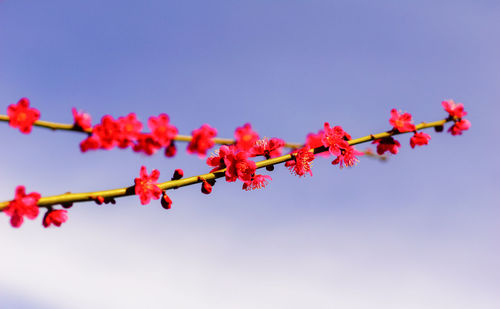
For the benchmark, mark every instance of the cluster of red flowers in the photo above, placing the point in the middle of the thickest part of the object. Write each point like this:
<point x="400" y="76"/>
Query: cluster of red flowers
<point x="126" y="132"/>
<point x="234" y="161"/>
<point x="456" y="112"/>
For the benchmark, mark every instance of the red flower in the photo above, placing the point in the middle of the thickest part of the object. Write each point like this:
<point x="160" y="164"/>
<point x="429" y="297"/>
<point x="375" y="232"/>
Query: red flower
<point x="55" y="217"/>
<point x="315" y="141"/>
<point x="459" y="126"/>
<point x="162" y="131"/>
<point x="22" y="205"/>
<point x="267" y="148"/>
<point x="455" y="110"/>
<point x="107" y="132"/>
<point x="81" y="120"/>
<point x="22" y="116"/>
<point x="257" y="182"/>
<point x="401" y="122"/>
<point x="245" y="137"/>
<point x="335" y="139"/>
<point x="419" y="138"/>
<point x="239" y="167"/>
<point x="387" y="144"/>
<point x="146" y="186"/>
<point x="129" y="130"/>
<point x="202" y="140"/>
<point x="301" y="163"/>
<point x="347" y="157"/>
<point x="146" y="143"/>
<point x="217" y="160"/>
<point x="90" y="143"/>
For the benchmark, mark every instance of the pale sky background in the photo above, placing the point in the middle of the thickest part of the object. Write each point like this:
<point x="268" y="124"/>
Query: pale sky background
<point x="420" y="231"/>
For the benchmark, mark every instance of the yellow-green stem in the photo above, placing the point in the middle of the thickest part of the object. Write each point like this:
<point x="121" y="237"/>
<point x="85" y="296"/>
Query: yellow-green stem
<point x="89" y="196"/>
<point x="180" y="138"/>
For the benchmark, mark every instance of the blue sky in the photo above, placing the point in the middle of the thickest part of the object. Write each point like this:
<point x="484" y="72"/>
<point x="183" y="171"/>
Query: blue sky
<point x="420" y="231"/>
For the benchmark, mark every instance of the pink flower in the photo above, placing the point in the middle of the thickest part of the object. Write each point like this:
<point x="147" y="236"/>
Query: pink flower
<point x="257" y="182"/>
<point x="22" y="116"/>
<point x="401" y="122"/>
<point x="455" y="110"/>
<point x="419" y="138"/>
<point x="239" y="167"/>
<point x="335" y="139"/>
<point x="146" y="143"/>
<point x="217" y="160"/>
<point x="245" y="137"/>
<point x="202" y="140"/>
<point x="81" y="120"/>
<point x="459" y="126"/>
<point x="347" y="157"/>
<point x="315" y="140"/>
<point x="387" y="144"/>
<point x="267" y="148"/>
<point x="55" y="217"/>
<point x="301" y="163"/>
<point x="107" y="132"/>
<point x="146" y="186"/>
<point x="162" y="130"/>
<point x="90" y="143"/>
<point x="23" y="205"/>
<point x="129" y="130"/>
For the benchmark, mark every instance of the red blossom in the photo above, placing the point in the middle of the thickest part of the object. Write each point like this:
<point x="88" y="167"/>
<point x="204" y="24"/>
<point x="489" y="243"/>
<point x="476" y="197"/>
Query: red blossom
<point x="239" y="167"/>
<point x="22" y="116"/>
<point x="456" y="110"/>
<point x="245" y="137"/>
<point x="217" y="160"/>
<point x="23" y="205"/>
<point x="301" y="164"/>
<point x="401" y="122"/>
<point x="335" y="139"/>
<point x="420" y="139"/>
<point x="82" y="120"/>
<point x="347" y="157"/>
<point x="90" y="143"/>
<point x="107" y="132"/>
<point x="146" y="186"/>
<point x="459" y="126"/>
<point x="55" y="217"/>
<point x="146" y="143"/>
<point x="162" y="130"/>
<point x="315" y="140"/>
<point x="267" y="148"/>
<point x="202" y="140"/>
<point x="387" y="144"/>
<point x="257" y="182"/>
<point x="129" y="130"/>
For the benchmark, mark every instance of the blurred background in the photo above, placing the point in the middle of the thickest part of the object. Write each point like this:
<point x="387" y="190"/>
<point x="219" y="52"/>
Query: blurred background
<point x="419" y="231"/>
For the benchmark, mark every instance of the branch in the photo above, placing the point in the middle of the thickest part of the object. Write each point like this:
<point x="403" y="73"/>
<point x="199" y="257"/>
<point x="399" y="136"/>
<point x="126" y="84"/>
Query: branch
<point x="173" y="184"/>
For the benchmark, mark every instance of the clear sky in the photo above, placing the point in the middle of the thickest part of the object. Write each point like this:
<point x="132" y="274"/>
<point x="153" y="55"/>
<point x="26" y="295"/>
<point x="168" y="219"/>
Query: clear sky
<point x="420" y="231"/>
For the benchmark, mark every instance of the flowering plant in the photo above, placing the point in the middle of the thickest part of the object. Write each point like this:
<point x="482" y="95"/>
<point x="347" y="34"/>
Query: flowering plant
<point x="236" y="159"/>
